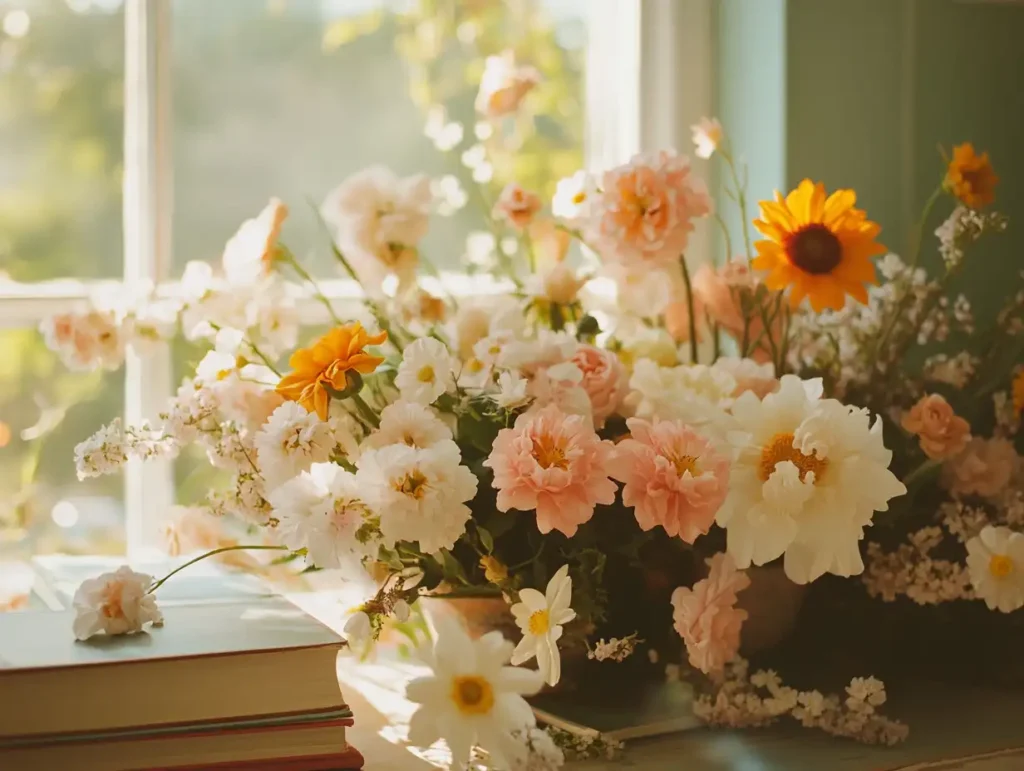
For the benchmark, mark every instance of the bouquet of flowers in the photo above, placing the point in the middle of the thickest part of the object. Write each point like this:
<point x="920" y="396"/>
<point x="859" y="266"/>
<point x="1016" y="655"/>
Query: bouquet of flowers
<point x="601" y="423"/>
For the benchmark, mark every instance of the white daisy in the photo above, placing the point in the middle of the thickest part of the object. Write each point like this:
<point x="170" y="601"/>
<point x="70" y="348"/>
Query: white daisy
<point x="320" y="511"/>
<point x="419" y="494"/>
<point x="471" y="698"/>
<point x="425" y="372"/>
<point x="807" y="477"/>
<point x="995" y="559"/>
<point x="541" y="617"/>
<point x="511" y="391"/>
<point x="408" y="423"/>
<point x="290" y="441"/>
<point x="571" y="194"/>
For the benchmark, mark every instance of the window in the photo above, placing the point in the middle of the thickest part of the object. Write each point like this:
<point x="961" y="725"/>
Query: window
<point x="200" y="112"/>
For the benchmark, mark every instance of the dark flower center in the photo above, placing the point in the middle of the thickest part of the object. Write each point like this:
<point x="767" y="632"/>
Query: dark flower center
<point x="815" y="249"/>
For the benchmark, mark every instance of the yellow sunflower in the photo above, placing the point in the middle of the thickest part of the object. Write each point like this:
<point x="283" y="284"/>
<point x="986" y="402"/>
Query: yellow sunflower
<point x="970" y="177"/>
<point x="819" y="246"/>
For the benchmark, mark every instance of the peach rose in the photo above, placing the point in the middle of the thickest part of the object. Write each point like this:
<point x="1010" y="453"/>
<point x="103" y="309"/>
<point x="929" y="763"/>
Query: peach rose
<point x="718" y="292"/>
<point x="516" y="206"/>
<point x="605" y="380"/>
<point x="750" y="375"/>
<point x="504" y="85"/>
<point x="941" y="432"/>
<point x="677" y="319"/>
<point x="984" y="468"/>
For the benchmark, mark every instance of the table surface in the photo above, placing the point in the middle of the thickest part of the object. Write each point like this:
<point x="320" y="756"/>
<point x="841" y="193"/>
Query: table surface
<point x="979" y="727"/>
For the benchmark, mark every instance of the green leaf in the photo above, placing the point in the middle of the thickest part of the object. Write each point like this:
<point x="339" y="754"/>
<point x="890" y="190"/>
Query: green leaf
<point x="485" y="538"/>
<point x="452" y="569"/>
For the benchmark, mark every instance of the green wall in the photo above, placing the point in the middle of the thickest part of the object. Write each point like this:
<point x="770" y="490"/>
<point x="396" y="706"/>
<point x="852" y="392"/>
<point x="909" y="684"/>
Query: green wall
<point x="865" y="91"/>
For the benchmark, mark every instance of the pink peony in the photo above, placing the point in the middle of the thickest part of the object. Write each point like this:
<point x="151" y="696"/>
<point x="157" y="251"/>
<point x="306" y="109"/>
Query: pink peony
<point x="516" y="206"/>
<point x="706" y="616"/>
<point x="941" y="431"/>
<point x="644" y="212"/>
<point x="672" y="476"/>
<point x="604" y="379"/>
<point x="554" y="463"/>
<point x="984" y="468"/>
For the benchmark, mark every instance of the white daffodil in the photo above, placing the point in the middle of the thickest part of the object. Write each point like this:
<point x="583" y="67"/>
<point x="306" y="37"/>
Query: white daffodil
<point x="541" y="617"/>
<point x="425" y="372"/>
<point x="995" y="560"/>
<point x="472" y="698"/>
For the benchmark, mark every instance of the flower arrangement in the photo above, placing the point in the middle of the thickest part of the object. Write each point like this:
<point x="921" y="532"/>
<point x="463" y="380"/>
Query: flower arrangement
<point x="584" y="432"/>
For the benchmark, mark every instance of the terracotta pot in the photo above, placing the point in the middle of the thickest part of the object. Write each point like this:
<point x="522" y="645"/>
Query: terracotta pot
<point x="773" y="603"/>
<point x="480" y="615"/>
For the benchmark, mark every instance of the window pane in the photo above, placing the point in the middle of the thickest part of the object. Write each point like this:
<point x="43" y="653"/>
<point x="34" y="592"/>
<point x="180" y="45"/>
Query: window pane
<point x="61" y="108"/>
<point x="45" y="410"/>
<point x="287" y="98"/>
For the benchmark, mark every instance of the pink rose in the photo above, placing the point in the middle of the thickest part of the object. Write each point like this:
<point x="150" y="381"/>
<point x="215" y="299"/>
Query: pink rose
<point x="554" y="463"/>
<point x="984" y="468"/>
<point x="672" y="476"/>
<point x="605" y="380"/>
<point x="516" y="206"/>
<point x="706" y="616"/>
<point x="942" y="432"/>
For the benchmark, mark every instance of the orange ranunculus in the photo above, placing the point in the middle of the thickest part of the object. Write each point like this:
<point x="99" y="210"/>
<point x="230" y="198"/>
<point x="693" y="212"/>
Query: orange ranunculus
<point x="325" y="364"/>
<point x="970" y="177"/>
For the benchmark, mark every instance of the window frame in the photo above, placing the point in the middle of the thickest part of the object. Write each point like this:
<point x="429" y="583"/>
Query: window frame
<point x="633" y="102"/>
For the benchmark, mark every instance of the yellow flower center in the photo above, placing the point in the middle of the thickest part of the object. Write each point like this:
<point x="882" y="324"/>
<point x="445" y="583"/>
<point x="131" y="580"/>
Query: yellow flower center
<point x="472" y="694"/>
<point x="474" y="365"/>
<point x="413" y="484"/>
<point x="815" y="249"/>
<point x="112" y="606"/>
<point x="579" y="198"/>
<point x="224" y="374"/>
<point x="1000" y="565"/>
<point x="685" y="463"/>
<point x="426" y="374"/>
<point x="540" y="622"/>
<point x="547" y="453"/>
<point x="780" y="449"/>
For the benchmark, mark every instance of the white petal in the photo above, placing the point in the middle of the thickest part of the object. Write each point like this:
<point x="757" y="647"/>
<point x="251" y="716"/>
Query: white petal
<point x="533" y="599"/>
<point x="525" y="650"/>
<point x="519" y="680"/>
<point x="423" y="729"/>
<point x="424" y="690"/>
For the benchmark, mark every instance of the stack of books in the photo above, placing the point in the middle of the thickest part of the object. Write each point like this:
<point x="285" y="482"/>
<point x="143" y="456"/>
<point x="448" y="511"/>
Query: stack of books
<point x="236" y="679"/>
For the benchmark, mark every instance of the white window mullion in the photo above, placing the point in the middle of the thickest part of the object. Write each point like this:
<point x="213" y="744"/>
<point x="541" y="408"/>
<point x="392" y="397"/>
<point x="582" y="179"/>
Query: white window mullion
<point x="149" y="487"/>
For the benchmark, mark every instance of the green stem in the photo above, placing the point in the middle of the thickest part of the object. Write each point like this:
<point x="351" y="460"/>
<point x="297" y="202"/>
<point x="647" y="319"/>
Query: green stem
<point x="364" y="409"/>
<point x="264" y="357"/>
<point x="157" y="584"/>
<point x="725" y="233"/>
<point x="689" y="309"/>
<point x="915" y="259"/>
<point x="741" y="200"/>
<point x="304" y="274"/>
<point x="920" y="472"/>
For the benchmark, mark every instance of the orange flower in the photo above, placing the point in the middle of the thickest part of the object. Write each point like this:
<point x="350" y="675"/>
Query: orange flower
<point x="819" y="246"/>
<point x="325" y="364"/>
<point x="1018" y="393"/>
<point x="970" y="177"/>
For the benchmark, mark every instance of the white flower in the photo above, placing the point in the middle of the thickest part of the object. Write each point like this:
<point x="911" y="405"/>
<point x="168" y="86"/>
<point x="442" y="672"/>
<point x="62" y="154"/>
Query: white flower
<point x="560" y="384"/>
<point x="543" y="753"/>
<point x="408" y="423"/>
<point x="541" y="617"/>
<point x="114" y="603"/>
<point x="358" y="629"/>
<point x="642" y="292"/>
<point x="529" y="356"/>
<point x="401" y="611"/>
<point x="807" y="477"/>
<point x="419" y="494"/>
<point x="571" y="195"/>
<point x="694" y="393"/>
<point x="425" y="372"/>
<point x="707" y="136"/>
<point x="276" y="318"/>
<point x="995" y="559"/>
<point x="379" y="219"/>
<point x="291" y="441"/>
<point x="249" y="253"/>
<point x="511" y="391"/>
<point x="472" y="698"/>
<point x="102" y="453"/>
<point x="503" y="85"/>
<point x="320" y="510"/>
